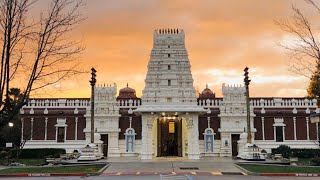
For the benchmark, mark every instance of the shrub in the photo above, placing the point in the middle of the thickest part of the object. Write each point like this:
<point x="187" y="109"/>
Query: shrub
<point x="315" y="161"/>
<point x="284" y="150"/>
<point x="39" y="153"/>
<point x="306" y="153"/>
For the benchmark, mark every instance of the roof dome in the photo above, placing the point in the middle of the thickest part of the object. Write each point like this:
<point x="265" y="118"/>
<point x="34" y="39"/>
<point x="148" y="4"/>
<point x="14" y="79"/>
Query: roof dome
<point x="207" y="93"/>
<point x="127" y="93"/>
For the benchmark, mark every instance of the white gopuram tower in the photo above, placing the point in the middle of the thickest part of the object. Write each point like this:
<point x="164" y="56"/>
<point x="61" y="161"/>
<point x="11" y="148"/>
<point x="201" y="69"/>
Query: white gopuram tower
<point x="169" y="78"/>
<point x="169" y="92"/>
<point x="106" y="119"/>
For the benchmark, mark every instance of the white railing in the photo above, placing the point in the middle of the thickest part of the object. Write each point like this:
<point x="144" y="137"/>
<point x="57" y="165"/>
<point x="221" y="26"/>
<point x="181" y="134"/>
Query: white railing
<point x="279" y="102"/>
<point x="129" y="103"/>
<point x="209" y="102"/>
<point x="266" y="102"/>
<point x="58" y="103"/>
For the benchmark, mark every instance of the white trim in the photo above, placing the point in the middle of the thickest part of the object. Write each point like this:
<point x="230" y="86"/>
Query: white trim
<point x="295" y="128"/>
<point x="307" y="123"/>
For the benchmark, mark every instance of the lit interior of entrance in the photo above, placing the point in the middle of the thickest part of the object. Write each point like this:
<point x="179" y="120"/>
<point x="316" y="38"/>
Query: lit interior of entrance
<point x="169" y="137"/>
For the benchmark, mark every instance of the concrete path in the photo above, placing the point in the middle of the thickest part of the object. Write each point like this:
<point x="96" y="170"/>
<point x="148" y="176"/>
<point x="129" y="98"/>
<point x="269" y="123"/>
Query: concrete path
<point x="171" y="165"/>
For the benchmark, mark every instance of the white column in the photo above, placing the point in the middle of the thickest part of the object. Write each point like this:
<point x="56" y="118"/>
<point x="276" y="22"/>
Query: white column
<point x="307" y="122"/>
<point x="196" y="151"/>
<point x="65" y="134"/>
<point x="146" y="149"/>
<point x="189" y="124"/>
<point x="295" y="128"/>
<point x="31" y="132"/>
<point x="45" y="128"/>
<point x="76" y="129"/>
<point x="283" y="133"/>
<point x="274" y="133"/>
<point x="56" y="133"/>
<point x="114" y="150"/>
<point x="22" y="126"/>
<point x="262" y="122"/>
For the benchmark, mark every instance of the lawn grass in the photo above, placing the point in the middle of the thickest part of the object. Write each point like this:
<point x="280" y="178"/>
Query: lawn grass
<point x="279" y="169"/>
<point x="68" y="169"/>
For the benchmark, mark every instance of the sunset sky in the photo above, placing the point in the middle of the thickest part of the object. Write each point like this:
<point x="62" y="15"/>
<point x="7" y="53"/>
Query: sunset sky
<point x="222" y="37"/>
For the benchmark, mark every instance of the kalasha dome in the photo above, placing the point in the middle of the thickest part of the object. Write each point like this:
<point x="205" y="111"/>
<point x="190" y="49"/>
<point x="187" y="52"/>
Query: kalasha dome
<point x="170" y="119"/>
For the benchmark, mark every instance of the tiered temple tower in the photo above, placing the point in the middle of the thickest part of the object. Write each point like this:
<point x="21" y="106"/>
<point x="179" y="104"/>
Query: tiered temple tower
<point x="169" y="78"/>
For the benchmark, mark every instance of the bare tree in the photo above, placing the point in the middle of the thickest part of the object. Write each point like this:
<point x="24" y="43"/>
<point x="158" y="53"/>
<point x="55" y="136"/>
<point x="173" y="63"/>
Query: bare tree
<point x="41" y="50"/>
<point x="303" y="47"/>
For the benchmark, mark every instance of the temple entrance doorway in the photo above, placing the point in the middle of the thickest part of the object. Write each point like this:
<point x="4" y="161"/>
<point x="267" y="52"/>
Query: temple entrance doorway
<point x="235" y="138"/>
<point x="169" y="137"/>
<point x="104" y="138"/>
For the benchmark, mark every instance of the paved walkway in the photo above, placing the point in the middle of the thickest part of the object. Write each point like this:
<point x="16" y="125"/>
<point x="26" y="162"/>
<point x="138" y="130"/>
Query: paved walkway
<point x="136" y="165"/>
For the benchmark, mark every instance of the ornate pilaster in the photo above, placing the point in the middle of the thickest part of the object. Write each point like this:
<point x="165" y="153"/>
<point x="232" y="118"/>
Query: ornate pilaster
<point x="146" y="149"/>
<point x="114" y="150"/>
<point x="196" y="151"/>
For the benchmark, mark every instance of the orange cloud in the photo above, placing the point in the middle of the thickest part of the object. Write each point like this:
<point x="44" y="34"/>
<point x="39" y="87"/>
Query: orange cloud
<point x="221" y="36"/>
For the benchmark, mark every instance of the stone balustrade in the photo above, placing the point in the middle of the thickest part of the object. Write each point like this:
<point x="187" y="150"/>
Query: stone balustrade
<point x="254" y="102"/>
<point x="58" y="103"/>
<point x="129" y="103"/>
<point x="266" y="102"/>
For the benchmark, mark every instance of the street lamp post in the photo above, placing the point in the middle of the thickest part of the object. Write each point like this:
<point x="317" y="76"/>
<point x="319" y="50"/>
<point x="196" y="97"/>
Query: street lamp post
<point x="92" y="83"/>
<point x="247" y="82"/>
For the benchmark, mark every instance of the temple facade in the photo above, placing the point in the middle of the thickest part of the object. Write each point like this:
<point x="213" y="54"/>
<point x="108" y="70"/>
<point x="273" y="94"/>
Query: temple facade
<point x="170" y="119"/>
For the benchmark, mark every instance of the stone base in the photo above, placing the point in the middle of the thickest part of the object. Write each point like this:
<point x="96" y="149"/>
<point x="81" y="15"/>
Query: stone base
<point x="146" y="155"/>
<point x="90" y="153"/>
<point x="114" y="152"/>
<point x="225" y="152"/>
<point x="129" y="154"/>
<point x="193" y="156"/>
<point x="251" y="152"/>
<point x="209" y="154"/>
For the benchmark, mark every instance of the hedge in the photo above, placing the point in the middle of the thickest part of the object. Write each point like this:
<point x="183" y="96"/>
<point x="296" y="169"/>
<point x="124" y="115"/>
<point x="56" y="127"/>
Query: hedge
<point x="39" y="153"/>
<point x="300" y="153"/>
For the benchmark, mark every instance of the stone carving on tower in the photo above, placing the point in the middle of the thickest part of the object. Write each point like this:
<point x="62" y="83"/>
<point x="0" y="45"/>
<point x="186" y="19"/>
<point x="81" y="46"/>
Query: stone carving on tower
<point x="233" y="116"/>
<point x="106" y="117"/>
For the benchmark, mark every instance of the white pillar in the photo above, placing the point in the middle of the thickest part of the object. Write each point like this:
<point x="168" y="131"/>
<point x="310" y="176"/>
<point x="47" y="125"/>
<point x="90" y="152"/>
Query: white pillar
<point x="114" y="150"/>
<point x="196" y="151"/>
<point x="31" y="132"/>
<point x="307" y="122"/>
<point x="146" y="149"/>
<point x="45" y="128"/>
<point x="22" y="126"/>
<point x="189" y="124"/>
<point x="283" y="133"/>
<point x="76" y="129"/>
<point x="295" y="128"/>
<point x="274" y="133"/>
<point x="65" y="134"/>
<point x="262" y="122"/>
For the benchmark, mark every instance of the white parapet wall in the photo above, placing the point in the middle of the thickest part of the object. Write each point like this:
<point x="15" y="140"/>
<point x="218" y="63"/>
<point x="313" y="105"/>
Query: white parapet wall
<point x="69" y="146"/>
